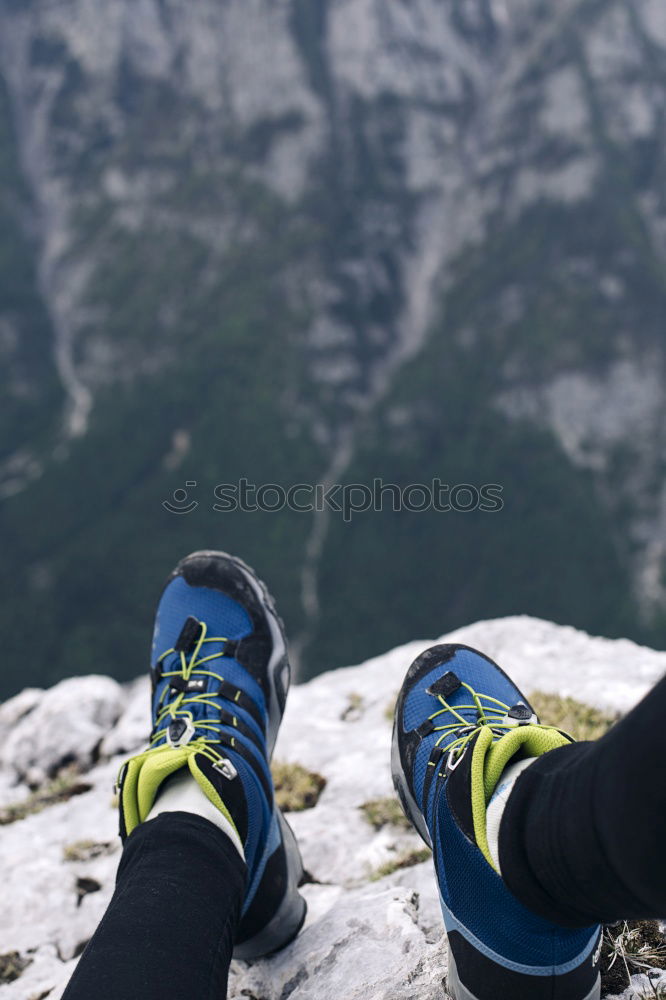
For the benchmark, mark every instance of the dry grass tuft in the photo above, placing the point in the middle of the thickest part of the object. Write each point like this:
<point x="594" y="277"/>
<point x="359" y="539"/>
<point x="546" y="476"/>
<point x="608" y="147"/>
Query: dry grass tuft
<point x="66" y="784"/>
<point x="296" y="788"/>
<point x="12" y="966"/>
<point x="581" y="721"/>
<point x="385" y="812"/>
<point x="630" y="948"/>
<point x="354" y="708"/>
<point x="406" y="860"/>
<point x="86" y="850"/>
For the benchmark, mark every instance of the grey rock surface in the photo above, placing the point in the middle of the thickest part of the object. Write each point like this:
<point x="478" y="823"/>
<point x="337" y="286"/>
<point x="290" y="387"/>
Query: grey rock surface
<point x="364" y="939"/>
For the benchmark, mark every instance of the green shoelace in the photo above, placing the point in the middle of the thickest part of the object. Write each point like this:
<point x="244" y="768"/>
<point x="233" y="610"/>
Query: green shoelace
<point x="177" y="708"/>
<point x="492" y="715"/>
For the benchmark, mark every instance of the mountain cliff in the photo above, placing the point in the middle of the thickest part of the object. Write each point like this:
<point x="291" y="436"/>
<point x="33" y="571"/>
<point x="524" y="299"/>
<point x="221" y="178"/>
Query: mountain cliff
<point x="330" y="242"/>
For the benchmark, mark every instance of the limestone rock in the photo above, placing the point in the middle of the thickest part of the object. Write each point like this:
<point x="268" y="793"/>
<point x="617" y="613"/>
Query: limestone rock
<point x="365" y="938"/>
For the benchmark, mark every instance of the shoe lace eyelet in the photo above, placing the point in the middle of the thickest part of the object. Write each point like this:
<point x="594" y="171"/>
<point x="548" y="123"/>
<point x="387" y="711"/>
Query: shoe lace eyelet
<point x="451" y="762"/>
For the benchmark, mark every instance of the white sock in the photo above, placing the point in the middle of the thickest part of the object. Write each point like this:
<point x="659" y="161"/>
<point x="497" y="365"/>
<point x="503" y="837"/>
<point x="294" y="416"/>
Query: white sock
<point x="182" y="794"/>
<point x="498" y="802"/>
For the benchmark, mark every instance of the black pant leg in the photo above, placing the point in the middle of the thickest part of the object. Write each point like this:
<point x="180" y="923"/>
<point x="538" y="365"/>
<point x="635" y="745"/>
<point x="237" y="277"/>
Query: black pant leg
<point x="583" y="833"/>
<point x="169" y="930"/>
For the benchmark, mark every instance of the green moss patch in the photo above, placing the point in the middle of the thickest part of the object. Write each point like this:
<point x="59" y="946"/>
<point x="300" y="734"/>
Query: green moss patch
<point x="385" y="812"/>
<point x="581" y="721"/>
<point x="296" y="788"/>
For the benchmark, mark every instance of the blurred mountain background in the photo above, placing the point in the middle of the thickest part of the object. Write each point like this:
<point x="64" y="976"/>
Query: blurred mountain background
<point x="304" y="241"/>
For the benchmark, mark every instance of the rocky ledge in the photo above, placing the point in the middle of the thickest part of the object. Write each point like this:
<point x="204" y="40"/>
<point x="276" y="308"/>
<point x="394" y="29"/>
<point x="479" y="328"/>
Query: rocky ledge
<point x="374" y="929"/>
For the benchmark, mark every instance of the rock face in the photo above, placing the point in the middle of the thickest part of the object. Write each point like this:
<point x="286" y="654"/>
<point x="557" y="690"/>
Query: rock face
<point x="40" y="733"/>
<point x="365" y="936"/>
<point x="408" y="240"/>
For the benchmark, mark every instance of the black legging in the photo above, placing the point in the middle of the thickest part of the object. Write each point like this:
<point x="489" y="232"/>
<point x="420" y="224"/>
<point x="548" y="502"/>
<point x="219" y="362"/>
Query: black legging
<point x="169" y="930"/>
<point x="581" y="840"/>
<point x="583" y="835"/>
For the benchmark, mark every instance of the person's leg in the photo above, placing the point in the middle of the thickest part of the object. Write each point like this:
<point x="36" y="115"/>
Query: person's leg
<point x="462" y="731"/>
<point x="169" y="931"/>
<point x="583" y="832"/>
<point x="210" y="868"/>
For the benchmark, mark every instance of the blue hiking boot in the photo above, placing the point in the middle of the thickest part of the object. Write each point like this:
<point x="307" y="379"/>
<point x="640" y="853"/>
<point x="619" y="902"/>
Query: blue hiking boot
<point x="459" y="722"/>
<point x="220" y="677"/>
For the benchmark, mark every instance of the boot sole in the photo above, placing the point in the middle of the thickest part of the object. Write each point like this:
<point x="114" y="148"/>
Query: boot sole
<point x="407" y="800"/>
<point x="289" y="917"/>
<point x="460" y="992"/>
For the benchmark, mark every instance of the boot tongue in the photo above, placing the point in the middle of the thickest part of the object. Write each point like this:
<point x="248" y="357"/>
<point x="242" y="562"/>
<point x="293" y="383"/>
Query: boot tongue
<point x="145" y="773"/>
<point x="491" y="756"/>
